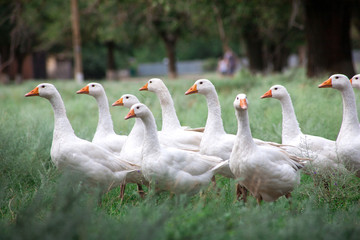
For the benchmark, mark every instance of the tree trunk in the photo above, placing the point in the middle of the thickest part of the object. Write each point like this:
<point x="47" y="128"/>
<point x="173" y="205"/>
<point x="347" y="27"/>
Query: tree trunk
<point x="4" y="66"/>
<point x="220" y="25"/>
<point x="356" y="15"/>
<point x="19" y="72"/>
<point x="111" y="68"/>
<point x="39" y="65"/>
<point x="280" y="56"/>
<point x="302" y="55"/>
<point x="327" y="27"/>
<point x="170" y="45"/>
<point x="78" y="72"/>
<point x="254" y="49"/>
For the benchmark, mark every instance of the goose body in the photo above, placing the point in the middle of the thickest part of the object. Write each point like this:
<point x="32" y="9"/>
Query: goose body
<point x="72" y="153"/>
<point x="105" y="135"/>
<point x="348" y="139"/>
<point x="168" y="168"/>
<point x="321" y="150"/>
<point x="266" y="171"/>
<point x="175" y="135"/>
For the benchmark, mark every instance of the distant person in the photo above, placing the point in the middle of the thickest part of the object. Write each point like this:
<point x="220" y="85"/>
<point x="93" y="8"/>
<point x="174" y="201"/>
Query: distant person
<point x="230" y="58"/>
<point x="222" y="67"/>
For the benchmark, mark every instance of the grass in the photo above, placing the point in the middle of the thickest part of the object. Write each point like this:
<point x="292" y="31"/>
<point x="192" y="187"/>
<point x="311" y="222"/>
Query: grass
<point x="39" y="202"/>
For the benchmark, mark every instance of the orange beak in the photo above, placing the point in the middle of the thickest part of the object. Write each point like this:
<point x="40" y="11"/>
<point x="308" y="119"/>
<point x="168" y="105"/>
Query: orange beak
<point x="326" y="84"/>
<point x="119" y="102"/>
<point x="34" y="92"/>
<point x="131" y="114"/>
<point x="144" y="88"/>
<point x="243" y="104"/>
<point x="268" y="94"/>
<point x="84" y="90"/>
<point x="192" y="90"/>
<point x="351" y="80"/>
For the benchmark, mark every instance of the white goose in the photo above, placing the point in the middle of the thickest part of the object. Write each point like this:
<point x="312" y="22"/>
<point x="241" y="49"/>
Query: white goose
<point x="132" y="149"/>
<point x="355" y="81"/>
<point x="133" y="145"/>
<point x="321" y="150"/>
<point x="177" y="136"/>
<point x="215" y="141"/>
<point x="172" y="169"/>
<point x="72" y="153"/>
<point x="266" y="171"/>
<point x="105" y="135"/>
<point x="348" y="140"/>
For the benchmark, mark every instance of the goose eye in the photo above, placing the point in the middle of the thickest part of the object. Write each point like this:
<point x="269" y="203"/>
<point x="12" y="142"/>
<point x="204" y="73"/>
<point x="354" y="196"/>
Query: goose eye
<point x="150" y="82"/>
<point x="201" y="82"/>
<point x="336" y="77"/>
<point x="276" y="88"/>
<point x="137" y="107"/>
<point x="127" y="97"/>
<point x="356" y="78"/>
<point x="93" y="85"/>
<point x="43" y="86"/>
<point x="237" y="98"/>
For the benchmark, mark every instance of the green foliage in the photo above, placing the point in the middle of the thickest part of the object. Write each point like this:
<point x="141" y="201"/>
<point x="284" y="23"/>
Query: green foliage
<point x="37" y="201"/>
<point x="94" y="64"/>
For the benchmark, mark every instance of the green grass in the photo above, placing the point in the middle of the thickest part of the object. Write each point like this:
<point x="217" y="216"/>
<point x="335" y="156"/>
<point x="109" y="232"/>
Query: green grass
<point x="38" y="202"/>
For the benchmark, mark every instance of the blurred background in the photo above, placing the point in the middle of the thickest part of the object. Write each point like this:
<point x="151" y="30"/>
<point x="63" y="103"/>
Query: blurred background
<point x="115" y="40"/>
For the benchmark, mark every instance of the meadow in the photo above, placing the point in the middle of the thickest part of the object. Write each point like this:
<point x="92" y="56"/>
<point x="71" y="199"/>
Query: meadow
<point x="39" y="202"/>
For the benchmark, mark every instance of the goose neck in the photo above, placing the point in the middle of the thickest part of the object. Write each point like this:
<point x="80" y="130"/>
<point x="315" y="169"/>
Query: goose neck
<point x="350" y="122"/>
<point x="244" y="138"/>
<point x="136" y="134"/>
<point x="105" y="123"/>
<point x="290" y="125"/>
<point x="214" y="121"/>
<point x="151" y="143"/>
<point x="169" y="118"/>
<point x="62" y="124"/>
<point x="134" y="142"/>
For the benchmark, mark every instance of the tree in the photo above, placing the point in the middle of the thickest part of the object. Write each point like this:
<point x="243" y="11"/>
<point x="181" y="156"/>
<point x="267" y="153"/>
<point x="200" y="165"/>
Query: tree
<point x="327" y="26"/>
<point x="78" y="72"/>
<point x="7" y="47"/>
<point x="170" y="20"/>
<point x="33" y="27"/>
<point x="264" y="28"/>
<point x="218" y="9"/>
<point x="269" y="32"/>
<point x="105" y="25"/>
<point x="248" y="17"/>
<point x="19" y="37"/>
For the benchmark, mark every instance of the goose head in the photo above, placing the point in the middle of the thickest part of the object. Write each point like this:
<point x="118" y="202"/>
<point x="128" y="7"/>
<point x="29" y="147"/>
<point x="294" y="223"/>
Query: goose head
<point x="276" y="91"/>
<point x="93" y="89"/>
<point x="337" y="81"/>
<point x="241" y="102"/>
<point x="202" y="86"/>
<point x="45" y="90"/>
<point x="355" y="81"/>
<point x="138" y="110"/>
<point x="126" y="100"/>
<point x="153" y="85"/>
